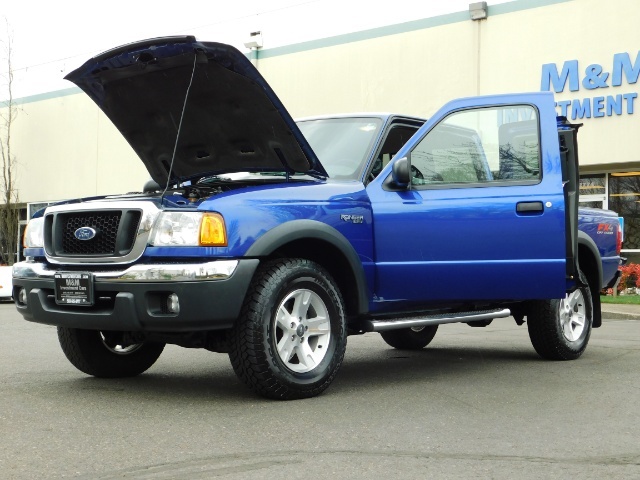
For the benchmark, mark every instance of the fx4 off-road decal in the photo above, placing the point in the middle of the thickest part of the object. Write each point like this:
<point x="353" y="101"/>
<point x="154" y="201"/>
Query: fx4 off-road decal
<point x="352" y="218"/>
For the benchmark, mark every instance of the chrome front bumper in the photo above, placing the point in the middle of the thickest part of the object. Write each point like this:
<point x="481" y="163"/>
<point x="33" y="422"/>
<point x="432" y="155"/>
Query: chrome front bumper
<point x="188" y="272"/>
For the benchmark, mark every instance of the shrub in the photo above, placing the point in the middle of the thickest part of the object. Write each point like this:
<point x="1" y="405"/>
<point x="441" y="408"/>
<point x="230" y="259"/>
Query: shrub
<point x="630" y="277"/>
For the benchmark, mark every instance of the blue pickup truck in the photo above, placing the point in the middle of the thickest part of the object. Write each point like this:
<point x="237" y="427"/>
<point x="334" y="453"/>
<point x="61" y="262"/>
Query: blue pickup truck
<point x="273" y="240"/>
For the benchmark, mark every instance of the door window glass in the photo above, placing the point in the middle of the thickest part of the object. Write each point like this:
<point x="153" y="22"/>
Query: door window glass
<point x="480" y="146"/>
<point x="398" y="135"/>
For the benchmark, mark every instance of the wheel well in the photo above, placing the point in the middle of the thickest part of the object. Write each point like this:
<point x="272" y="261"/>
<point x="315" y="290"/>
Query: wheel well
<point x="588" y="265"/>
<point x="332" y="259"/>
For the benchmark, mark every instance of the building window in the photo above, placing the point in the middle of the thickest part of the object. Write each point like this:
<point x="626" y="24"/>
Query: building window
<point x="624" y="198"/>
<point x="593" y="191"/>
<point x="35" y="206"/>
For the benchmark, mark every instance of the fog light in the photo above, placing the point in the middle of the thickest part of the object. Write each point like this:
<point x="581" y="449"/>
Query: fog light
<point x="22" y="296"/>
<point x="173" y="304"/>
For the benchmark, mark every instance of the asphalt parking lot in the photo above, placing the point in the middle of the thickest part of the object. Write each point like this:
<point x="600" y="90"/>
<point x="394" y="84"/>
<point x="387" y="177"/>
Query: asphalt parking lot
<point x="477" y="403"/>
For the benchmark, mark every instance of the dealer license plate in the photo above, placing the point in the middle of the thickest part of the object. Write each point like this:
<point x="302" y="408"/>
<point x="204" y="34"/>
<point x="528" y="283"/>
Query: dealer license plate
<point x="74" y="288"/>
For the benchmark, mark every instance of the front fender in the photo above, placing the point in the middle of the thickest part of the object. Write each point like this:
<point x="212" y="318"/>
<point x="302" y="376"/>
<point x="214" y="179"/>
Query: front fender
<point x="294" y="230"/>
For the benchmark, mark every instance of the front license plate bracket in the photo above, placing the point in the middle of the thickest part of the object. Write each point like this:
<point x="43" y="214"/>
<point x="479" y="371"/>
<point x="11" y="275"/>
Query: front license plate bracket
<point x="74" y="288"/>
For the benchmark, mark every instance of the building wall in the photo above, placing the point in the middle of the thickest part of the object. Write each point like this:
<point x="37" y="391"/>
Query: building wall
<point x="418" y="70"/>
<point x="67" y="148"/>
<point x="401" y="72"/>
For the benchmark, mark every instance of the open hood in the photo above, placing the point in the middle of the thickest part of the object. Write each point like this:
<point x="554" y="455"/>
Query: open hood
<point x="231" y="120"/>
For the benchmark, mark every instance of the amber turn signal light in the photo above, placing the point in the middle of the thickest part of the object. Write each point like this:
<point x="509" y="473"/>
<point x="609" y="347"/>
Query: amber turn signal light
<point x="212" y="231"/>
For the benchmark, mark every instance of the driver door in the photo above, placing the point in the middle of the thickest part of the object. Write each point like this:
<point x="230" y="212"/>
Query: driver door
<point x="484" y="216"/>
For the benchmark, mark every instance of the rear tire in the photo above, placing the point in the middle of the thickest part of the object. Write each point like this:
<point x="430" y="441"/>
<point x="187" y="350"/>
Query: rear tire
<point x="560" y="329"/>
<point x="98" y="354"/>
<point x="415" y="338"/>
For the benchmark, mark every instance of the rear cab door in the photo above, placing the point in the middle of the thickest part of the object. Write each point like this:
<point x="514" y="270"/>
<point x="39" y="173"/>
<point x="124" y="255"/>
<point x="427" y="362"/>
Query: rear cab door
<point x="483" y="218"/>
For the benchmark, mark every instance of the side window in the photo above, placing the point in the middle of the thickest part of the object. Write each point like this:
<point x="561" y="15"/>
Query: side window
<point x="480" y="146"/>
<point x="396" y="138"/>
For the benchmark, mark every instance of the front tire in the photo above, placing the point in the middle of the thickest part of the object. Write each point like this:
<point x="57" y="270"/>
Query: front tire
<point x="290" y="338"/>
<point x="560" y="329"/>
<point x="99" y="354"/>
<point x="415" y="338"/>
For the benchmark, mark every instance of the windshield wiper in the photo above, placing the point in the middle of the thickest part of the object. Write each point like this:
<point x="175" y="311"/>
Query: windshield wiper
<point x="213" y="179"/>
<point x="289" y="175"/>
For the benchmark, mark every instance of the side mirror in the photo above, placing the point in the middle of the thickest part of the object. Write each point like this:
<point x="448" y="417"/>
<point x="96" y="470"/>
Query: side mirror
<point x="401" y="171"/>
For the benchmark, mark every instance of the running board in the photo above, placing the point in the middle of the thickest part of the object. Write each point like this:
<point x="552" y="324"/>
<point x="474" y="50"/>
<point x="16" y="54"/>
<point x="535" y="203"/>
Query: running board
<point x="461" y="317"/>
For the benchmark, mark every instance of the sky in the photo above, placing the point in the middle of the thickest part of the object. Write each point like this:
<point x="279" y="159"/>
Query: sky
<point x="51" y="38"/>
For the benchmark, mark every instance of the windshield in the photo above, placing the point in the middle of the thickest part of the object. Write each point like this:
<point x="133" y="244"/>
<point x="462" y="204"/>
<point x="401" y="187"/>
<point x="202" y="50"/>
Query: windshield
<point x="341" y="144"/>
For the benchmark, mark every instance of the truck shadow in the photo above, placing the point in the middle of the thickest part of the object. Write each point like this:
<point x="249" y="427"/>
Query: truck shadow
<point x="393" y="366"/>
<point x="377" y="369"/>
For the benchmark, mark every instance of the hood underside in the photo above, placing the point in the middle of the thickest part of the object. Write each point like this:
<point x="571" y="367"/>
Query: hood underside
<point x="228" y="117"/>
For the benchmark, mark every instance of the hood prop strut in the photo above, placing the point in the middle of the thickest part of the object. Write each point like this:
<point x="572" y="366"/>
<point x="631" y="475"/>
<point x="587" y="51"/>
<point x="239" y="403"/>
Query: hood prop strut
<point x="285" y="164"/>
<point x="175" y="146"/>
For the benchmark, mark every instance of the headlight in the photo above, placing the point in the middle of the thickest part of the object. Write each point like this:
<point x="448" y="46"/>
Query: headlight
<point x="33" y="234"/>
<point x="189" y="229"/>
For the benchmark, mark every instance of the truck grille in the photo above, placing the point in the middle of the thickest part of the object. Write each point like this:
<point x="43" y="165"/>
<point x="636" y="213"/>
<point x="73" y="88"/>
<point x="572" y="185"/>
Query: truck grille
<point x="106" y="227"/>
<point x="115" y="233"/>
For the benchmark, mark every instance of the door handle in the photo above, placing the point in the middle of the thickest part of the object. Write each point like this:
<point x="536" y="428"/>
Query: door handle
<point x="529" y="207"/>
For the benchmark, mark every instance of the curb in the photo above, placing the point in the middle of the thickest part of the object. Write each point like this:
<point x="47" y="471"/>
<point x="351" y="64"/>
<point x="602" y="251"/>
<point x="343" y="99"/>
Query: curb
<point x="611" y="315"/>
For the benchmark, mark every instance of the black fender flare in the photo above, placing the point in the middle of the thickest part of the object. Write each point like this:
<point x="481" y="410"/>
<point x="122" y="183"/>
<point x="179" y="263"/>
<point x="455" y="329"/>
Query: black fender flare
<point x="303" y="229"/>
<point x="585" y="241"/>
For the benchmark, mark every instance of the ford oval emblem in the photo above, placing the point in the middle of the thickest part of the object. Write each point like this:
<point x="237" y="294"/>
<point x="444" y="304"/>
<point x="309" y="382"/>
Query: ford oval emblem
<point x="84" y="233"/>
